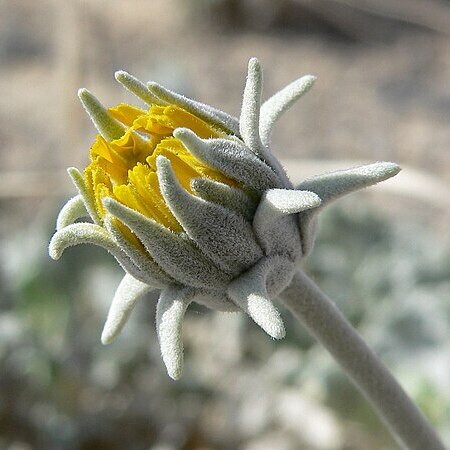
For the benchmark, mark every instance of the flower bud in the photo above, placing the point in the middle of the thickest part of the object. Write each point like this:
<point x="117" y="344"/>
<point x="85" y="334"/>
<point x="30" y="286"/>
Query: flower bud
<point x="189" y="200"/>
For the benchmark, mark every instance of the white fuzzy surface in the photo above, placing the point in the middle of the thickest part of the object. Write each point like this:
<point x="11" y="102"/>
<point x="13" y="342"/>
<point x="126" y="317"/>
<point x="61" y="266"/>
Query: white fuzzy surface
<point x="127" y="294"/>
<point x="326" y="323"/>
<point x="279" y="103"/>
<point x="173" y="252"/>
<point x="73" y="210"/>
<point x="224" y="236"/>
<point x="239" y="242"/>
<point x="232" y="158"/>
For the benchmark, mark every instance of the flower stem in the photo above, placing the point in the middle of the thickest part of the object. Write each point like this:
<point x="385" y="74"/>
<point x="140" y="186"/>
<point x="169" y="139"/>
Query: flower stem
<point x="327" y="324"/>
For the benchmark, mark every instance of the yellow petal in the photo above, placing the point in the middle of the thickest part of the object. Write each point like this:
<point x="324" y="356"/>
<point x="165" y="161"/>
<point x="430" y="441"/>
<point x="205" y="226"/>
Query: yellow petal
<point x="154" y="122"/>
<point x="130" y="236"/>
<point x="125" y="168"/>
<point x="100" y="148"/>
<point x="126" y="114"/>
<point x="178" y="117"/>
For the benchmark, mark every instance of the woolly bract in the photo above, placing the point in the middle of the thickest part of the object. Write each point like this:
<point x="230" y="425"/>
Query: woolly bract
<point x="189" y="200"/>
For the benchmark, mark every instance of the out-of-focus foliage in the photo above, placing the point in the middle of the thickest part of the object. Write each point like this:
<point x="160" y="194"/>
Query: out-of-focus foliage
<point x="59" y="388"/>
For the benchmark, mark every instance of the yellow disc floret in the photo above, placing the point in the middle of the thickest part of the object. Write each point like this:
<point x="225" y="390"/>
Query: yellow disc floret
<point x="125" y="168"/>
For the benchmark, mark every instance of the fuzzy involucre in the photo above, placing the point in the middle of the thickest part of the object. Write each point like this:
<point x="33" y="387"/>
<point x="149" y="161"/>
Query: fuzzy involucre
<point x="190" y="200"/>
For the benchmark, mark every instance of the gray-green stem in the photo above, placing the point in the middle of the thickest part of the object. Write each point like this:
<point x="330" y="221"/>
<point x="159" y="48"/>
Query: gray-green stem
<point x="327" y="324"/>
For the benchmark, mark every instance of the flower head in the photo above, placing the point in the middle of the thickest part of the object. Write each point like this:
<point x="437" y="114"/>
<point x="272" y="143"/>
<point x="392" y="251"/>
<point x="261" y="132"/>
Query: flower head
<point x="190" y="200"/>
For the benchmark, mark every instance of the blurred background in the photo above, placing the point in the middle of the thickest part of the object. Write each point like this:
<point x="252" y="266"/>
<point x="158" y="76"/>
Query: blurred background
<point x="383" y="93"/>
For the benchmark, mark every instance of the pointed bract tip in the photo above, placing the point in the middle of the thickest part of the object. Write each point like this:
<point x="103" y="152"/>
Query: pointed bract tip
<point x="279" y="333"/>
<point x="106" y="337"/>
<point x="275" y="329"/>
<point x="253" y="63"/>
<point x="187" y="137"/>
<point x="264" y="313"/>
<point x="72" y="171"/>
<point x="182" y="132"/>
<point x="153" y="86"/>
<point x="111" y="205"/>
<point x="53" y="250"/>
<point x="174" y="368"/>
<point x="163" y="163"/>
<point x="109" y="333"/>
<point x="254" y="69"/>
<point x="82" y="93"/>
<point x="391" y="168"/>
<point x="106" y="125"/>
<point x="157" y="90"/>
<point x="289" y="201"/>
<point x="121" y="75"/>
<point x="109" y="202"/>
<point x="135" y="86"/>
<point x="89" y="101"/>
<point x="383" y="170"/>
<point x="309" y="80"/>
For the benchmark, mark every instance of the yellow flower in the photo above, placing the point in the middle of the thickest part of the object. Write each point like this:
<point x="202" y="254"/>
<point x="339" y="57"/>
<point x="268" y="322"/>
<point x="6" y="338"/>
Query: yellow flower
<point x="125" y="168"/>
<point x="191" y="201"/>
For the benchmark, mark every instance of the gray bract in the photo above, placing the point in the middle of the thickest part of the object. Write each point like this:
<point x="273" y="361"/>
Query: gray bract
<point x="239" y="246"/>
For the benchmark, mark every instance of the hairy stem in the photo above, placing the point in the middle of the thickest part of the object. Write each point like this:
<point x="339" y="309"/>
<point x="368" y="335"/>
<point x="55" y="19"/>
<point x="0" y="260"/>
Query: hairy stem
<point x="327" y="324"/>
